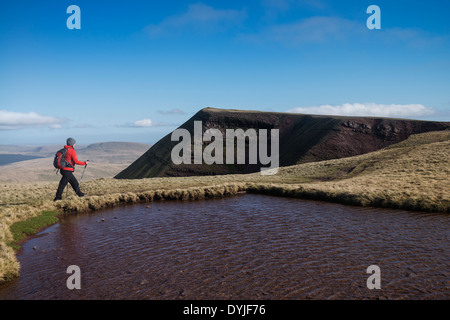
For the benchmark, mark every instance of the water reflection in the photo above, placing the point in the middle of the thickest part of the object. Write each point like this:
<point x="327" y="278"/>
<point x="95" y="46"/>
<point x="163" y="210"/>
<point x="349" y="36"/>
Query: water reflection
<point x="244" y="247"/>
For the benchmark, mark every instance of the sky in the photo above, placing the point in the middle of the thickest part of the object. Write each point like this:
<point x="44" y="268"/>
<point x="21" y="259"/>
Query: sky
<point x="136" y="70"/>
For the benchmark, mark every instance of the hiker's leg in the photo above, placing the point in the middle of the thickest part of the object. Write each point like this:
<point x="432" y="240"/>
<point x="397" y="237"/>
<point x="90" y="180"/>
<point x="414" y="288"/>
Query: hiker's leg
<point x="74" y="183"/>
<point x="62" y="184"/>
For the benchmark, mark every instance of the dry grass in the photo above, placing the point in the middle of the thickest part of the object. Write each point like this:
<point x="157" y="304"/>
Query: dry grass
<point x="412" y="175"/>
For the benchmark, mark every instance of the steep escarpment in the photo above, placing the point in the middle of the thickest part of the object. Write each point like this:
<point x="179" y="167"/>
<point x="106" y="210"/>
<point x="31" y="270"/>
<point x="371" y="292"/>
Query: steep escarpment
<point x="302" y="138"/>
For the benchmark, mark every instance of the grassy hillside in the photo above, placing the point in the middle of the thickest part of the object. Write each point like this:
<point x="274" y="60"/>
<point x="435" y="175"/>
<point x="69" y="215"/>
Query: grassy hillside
<point x="303" y="138"/>
<point x="412" y="175"/>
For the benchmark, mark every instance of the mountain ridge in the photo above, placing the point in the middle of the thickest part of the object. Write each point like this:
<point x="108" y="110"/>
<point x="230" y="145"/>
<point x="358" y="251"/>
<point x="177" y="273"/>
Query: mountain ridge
<point x="303" y="138"/>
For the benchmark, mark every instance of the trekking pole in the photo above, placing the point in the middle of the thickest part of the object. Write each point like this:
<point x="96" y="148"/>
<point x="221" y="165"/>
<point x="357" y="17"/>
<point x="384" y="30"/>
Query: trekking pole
<point x="81" y="177"/>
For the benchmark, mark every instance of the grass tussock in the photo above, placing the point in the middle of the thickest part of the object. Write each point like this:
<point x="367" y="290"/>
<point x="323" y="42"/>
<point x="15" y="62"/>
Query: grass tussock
<point x="93" y="203"/>
<point x="412" y="175"/>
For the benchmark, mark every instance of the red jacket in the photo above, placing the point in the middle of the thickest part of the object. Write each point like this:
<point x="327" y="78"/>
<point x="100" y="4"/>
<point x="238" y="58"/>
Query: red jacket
<point x="71" y="156"/>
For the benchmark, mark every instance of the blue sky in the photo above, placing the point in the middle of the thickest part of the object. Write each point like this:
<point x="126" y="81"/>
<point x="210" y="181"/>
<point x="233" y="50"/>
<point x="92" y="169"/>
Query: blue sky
<point x="138" y="69"/>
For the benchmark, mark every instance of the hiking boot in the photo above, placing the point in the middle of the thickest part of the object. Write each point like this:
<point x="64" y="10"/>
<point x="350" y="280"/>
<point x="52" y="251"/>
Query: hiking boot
<point x="81" y="194"/>
<point x="57" y="199"/>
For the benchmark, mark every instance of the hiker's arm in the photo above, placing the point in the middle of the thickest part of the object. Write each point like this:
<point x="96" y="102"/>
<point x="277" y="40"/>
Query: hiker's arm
<point x="75" y="160"/>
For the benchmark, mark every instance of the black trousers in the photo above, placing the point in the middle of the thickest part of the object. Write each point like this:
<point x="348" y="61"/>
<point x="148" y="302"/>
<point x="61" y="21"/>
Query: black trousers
<point x="67" y="177"/>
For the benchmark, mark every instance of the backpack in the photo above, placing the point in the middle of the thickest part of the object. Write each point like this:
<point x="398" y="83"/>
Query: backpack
<point x="60" y="162"/>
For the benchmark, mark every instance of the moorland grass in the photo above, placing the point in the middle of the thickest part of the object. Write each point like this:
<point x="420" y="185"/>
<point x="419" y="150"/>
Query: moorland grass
<point x="21" y="229"/>
<point x="411" y="175"/>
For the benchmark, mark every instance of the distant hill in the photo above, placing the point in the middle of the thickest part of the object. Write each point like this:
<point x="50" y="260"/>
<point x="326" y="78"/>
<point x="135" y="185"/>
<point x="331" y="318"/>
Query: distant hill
<point x="11" y="158"/>
<point x="35" y="163"/>
<point x="303" y="138"/>
<point x="35" y="151"/>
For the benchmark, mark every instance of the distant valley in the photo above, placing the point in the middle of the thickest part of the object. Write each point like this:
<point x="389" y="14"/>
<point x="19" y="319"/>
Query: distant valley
<point x="35" y="163"/>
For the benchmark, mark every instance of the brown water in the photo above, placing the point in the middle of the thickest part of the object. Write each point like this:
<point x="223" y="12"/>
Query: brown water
<point x="244" y="247"/>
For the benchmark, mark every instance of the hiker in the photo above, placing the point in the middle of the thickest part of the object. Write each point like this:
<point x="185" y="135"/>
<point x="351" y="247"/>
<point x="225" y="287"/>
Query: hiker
<point x="67" y="172"/>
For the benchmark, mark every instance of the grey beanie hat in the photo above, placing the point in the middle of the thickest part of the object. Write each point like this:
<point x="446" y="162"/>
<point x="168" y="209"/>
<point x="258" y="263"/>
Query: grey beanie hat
<point x="71" y="142"/>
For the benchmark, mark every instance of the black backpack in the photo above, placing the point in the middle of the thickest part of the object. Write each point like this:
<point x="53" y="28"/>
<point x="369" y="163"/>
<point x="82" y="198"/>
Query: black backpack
<point x="60" y="162"/>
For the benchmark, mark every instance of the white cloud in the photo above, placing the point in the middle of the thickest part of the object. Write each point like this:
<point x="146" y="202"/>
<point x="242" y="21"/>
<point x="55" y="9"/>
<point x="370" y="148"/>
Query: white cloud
<point x="83" y="126"/>
<point x="285" y="5"/>
<point x="368" y="109"/>
<point x="326" y="29"/>
<point x="199" y="16"/>
<point x="310" y="30"/>
<point x="416" y="38"/>
<point x="143" y="123"/>
<point x="172" y="112"/>
<point x="10" y="120"/>
<point x="147" y="123"/>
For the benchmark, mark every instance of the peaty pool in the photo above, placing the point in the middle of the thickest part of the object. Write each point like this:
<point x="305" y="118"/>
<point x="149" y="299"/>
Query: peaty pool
<point x="243" y="247"/>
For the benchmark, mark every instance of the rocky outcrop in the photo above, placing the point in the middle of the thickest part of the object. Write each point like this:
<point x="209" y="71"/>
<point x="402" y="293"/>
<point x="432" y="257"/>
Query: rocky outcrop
<point x="302" y="138"/>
